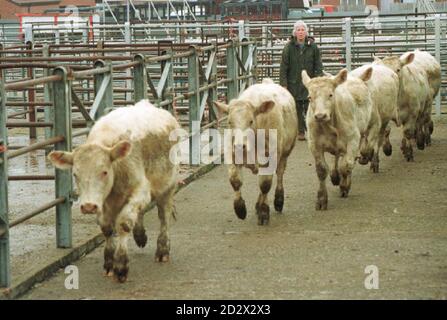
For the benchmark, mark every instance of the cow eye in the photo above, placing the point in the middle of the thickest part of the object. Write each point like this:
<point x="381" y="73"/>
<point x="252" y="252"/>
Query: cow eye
<point x="104" y="173"/>
<point x="398" y="70"/>
<point x="75" y="175"/>
<point x="331" y="95"/>
<point x="251" y="122"/>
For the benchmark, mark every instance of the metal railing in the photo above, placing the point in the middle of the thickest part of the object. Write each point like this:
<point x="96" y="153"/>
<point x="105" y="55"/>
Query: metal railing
<point x="203" y="82"/>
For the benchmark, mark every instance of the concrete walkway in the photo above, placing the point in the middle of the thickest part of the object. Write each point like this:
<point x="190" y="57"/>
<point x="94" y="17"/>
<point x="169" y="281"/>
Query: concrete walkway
<point x="395" y="220"/>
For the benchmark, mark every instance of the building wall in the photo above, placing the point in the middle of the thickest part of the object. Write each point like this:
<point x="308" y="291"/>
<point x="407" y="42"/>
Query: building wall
<point x="9" y="9"/>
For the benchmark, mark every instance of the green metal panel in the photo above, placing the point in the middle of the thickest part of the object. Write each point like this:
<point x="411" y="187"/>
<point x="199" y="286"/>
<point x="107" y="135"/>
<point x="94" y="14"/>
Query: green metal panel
<point x="139" y="79"/>
<point x="232" y="67"/>
<point x="64" y="183"/>
<point x="5" y="276"/>
<point x="194" y="106"/>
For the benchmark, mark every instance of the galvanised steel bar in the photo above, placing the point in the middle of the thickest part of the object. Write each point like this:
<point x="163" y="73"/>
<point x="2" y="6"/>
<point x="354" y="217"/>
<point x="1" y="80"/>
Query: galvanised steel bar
<point x="232" y="72"/>
<point x="5" y="268"/>
<point x="48" y="112"/>
<point x="30" y="178"/>
<point x="37" y="211"/>
<point x="31" y="96"/>
<point x="26" y="124"/>
<point x="35" y="146"/>
<point x="64" y="184"/>
<point x="23" y="84"/>
<point x="139" y="78"/>
<point x="103" y="90"/>
<point x="194" y="108"/>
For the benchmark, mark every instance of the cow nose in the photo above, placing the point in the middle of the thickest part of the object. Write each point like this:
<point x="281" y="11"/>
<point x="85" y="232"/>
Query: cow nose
<point x="87" y="208"/>
<point x="320" y="116"/>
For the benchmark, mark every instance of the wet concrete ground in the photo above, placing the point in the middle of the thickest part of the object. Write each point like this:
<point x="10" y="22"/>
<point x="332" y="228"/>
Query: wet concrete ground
<point x="395" y="220"/>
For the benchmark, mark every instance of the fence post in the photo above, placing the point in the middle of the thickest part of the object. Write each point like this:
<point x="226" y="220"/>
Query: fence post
<point x="5" y="275"/>
<point x="194" y="108"/>
<point x="107" y="101"/>
<point x="139" y="79"/>
<point x="232" y="73"/>
<point x="212" y="93"/>
<point x="438" y="57"/>
<point x="169" y="92"/>
<point x="128" y="40"/>
<point x="348" y="42"/>
<point x="31" y="95"/>
<point x="64" y="184"/>
<point x="48" y="111"/>
<point x="241" y="26"/>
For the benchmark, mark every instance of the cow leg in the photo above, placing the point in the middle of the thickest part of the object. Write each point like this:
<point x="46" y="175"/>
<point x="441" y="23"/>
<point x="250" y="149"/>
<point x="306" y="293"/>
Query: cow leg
<point x="139" y="232"/>
<point x="109" y="249"/>
<point x="375" y="142"/>
<point x="165" y="205"/>
<point x="262" y="207"/>
<point x="346" y="167"/>
<point x="236" y="182"/>
<point x="386" y="144"/>
<point x="406" y="147"/>
<point x="420" y="136"/>
<point x="335" y="174"/>
<point x="125" y="223"/>
<point x="279" y="192"/>
<point x="322" y="172"/>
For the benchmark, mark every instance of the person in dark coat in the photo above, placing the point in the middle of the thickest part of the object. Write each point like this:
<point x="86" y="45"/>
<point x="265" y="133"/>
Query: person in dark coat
<point x="300" y="53"/>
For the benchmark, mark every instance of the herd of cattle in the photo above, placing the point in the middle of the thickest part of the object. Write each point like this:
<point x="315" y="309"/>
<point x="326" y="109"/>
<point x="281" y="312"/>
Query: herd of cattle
<point x="125" y="162"/>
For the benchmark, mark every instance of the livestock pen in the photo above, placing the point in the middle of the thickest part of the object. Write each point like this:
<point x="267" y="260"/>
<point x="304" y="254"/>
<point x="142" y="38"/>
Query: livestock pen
<point x="57" y="84"/>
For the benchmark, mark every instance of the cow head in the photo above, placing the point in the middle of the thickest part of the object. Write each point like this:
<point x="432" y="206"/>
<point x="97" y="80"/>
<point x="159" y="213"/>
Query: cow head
<point x="322" y="93"/>
<point x="242" y="119"/>
<point x="93" y="171"/>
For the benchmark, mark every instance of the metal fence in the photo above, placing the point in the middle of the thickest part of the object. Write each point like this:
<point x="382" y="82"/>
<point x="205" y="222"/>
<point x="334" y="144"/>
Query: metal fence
<point x="199" y="89"/>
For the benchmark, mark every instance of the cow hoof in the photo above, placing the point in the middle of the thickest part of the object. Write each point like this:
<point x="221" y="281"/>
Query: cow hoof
<point x="321" y="204"/>
<point x="121" y="269"/>
<point x="108" y="269"/>
<point x="409" y="157"/>
<point x="363" y="160"/>
<point x="344" y="192"/>
<point x="140" y="237"/>
<point x="335" y="177"/>
<point x="263" y="212"/>
<point x="420" y="141"/>
<point x="428" y="140"/>
<point x="387" y="149"/>
<point x="120" y="275"/>
<point x="108" y="273"/>
<point x="431" y="127"/>
<point x="374" y="167"/>
<point x="279" y="200"/>
<point x="240" y="209"/>
<point x="162" y="257"/>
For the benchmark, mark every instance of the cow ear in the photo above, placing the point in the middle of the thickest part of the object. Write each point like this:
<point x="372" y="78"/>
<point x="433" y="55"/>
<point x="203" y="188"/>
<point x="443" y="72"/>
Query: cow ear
<point x="341" y="76"/>
<point x="61" y="159"/>
<point x="120" y="150"/>
<point x="265" y="107"/>
<point x="305" y="78"/>
<point x="222" y="107"/>
<point x="406" y="59"/>
<point x="366" y="75"/>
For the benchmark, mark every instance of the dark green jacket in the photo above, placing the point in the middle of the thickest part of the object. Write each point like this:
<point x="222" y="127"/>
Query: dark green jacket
<point x="294" y="60"/>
